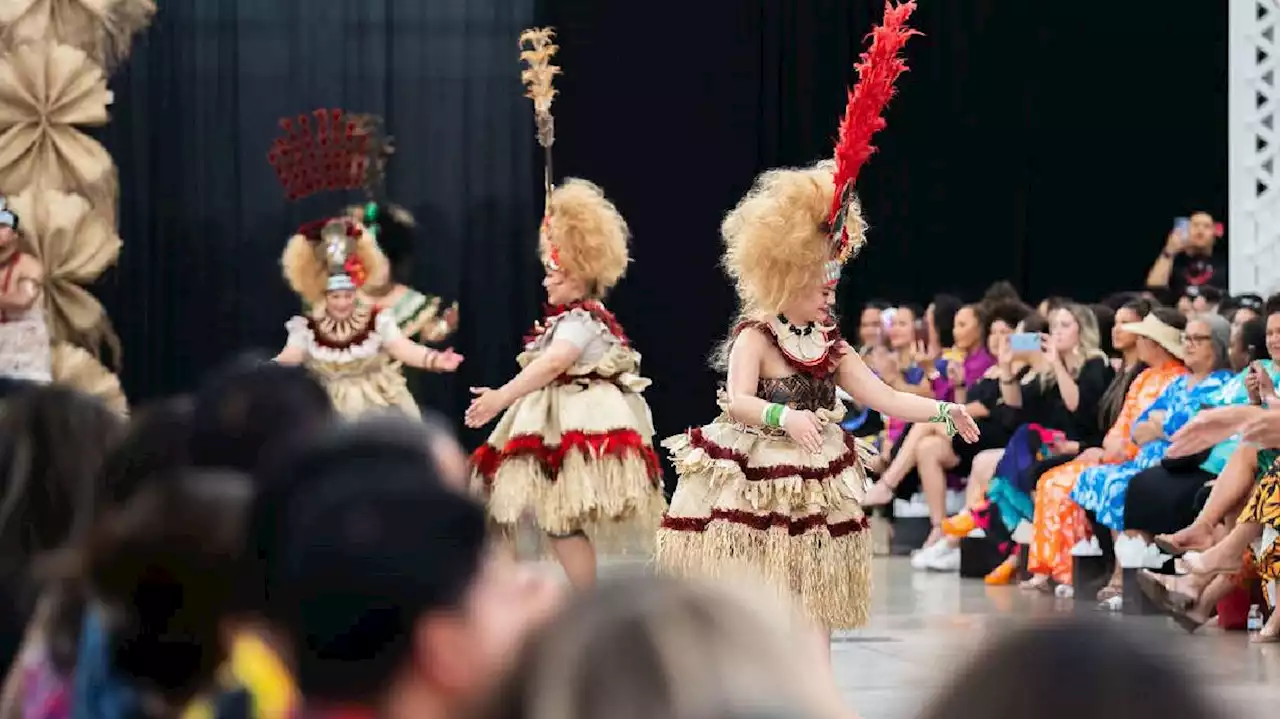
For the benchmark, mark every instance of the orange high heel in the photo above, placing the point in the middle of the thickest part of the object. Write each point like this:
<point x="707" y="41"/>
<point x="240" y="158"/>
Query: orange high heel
<point x="959" y="526"/>
<point x="1003" y="574"/>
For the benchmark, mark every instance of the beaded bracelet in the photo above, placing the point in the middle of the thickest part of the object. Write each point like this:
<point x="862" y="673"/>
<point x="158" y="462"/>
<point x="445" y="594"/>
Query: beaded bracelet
<point x="943" y="417"/>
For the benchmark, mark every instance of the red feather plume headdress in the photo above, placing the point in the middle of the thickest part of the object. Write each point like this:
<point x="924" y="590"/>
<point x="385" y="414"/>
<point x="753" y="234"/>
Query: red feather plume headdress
<point x="879" y="67"/>
<point x="325" y="150"/>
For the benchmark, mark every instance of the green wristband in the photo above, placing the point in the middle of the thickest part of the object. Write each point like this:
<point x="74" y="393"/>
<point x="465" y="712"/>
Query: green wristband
<point x="943" y="417"/>
<point x="773" y="415"/>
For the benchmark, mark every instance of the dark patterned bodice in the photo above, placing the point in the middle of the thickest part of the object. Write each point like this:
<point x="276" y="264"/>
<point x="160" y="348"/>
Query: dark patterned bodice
<point x="799" y="391"/>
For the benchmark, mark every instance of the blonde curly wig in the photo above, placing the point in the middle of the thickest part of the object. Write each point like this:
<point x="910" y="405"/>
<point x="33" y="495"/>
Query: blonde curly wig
<point x="776" y="243"/>
<point x="589" y="235"/>
<point x="307" y="272"/>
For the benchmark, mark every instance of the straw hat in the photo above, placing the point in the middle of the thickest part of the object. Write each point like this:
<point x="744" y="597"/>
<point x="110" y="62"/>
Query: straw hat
<point x="1162" y="334"/>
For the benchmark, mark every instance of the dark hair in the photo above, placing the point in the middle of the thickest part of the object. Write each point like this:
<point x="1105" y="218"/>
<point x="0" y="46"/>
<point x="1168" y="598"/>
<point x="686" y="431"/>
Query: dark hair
<point x="1140" y="306"/>
<point x="945" y="308"/>
<point x="1253" y="337"/>
<point x="876" y="304"/>
<point x="52" y="444"/>
<point x="374" y="541"/>
<point x="1106" y="320"/>
<point x="250" y="410"/>
<point x="1119" y="299"/>
<point x="1001" y="291"/>
<point x="165" y="566"/>
<point x="1056" y="302"/>
<point x="1035" y="323"/>
<point x="1010" y="313"/>
<point x="1272" y="306"/>
<point x="1171" y="317"/>
<point x="1101" y="664"/>
<point x="395" y="239"/>
<point x="154" y="445"/>
<point x="1211" y="294"/>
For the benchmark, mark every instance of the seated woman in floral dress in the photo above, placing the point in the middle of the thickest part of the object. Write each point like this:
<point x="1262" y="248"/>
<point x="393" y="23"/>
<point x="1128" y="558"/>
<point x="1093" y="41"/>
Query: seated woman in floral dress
<point x="1058" y="523"/>
<point x="1101" y="490"/>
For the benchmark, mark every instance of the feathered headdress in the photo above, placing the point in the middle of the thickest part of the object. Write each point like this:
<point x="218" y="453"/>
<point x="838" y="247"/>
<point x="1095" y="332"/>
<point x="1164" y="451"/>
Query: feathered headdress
<point x="327" y="150"/>
<point x="537" y="48"/>
<point x="878" y="69"/>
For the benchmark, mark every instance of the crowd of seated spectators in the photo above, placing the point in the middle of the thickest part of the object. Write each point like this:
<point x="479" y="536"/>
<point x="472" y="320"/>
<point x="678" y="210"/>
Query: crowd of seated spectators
<point x="1120" y="424"/>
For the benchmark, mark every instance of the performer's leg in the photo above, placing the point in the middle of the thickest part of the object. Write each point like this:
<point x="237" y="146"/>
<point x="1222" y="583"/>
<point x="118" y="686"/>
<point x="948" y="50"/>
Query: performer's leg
<point x="577" y="556"/>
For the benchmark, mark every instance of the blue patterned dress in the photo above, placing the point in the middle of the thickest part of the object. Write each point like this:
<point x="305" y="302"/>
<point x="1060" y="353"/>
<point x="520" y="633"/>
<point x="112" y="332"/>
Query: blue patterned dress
<point x="1102" y="489"/>
<point x="1233" y="393"/>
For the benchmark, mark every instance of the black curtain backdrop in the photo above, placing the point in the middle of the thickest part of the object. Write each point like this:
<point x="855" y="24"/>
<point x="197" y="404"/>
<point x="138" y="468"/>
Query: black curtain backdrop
<point x="204" y="220"/>
<point x="1045" y="142"/>
<point x="1048" y="143"/>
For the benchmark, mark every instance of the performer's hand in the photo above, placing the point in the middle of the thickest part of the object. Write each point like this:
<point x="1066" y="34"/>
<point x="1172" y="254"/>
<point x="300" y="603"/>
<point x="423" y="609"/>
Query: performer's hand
<point x="802" y="426"/>
<point x="1264" y="431"/>
<point x="446" y="361"/>
<point x="486" y="405"/>
<point x="965" y="425"/>
<point x="450" y="318"/>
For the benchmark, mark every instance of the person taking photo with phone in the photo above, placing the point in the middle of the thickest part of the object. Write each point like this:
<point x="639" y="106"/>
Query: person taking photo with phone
<point x="1190" y="258"/>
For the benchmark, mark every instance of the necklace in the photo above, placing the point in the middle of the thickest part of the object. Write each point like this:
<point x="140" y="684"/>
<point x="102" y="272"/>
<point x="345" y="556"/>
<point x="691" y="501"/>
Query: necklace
<point x="804" y="331"/>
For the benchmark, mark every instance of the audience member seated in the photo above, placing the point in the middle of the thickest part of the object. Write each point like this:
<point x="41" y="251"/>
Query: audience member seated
<point x="1101" y="490"/>
<point x="1056" y="398"/>
<point x="1058" y="523"/>
<point x="1162" y="500"/>
<point x="163" y="570"/>
<point x="395" y="535"/>
<point x="871" y="325"/>
<point x="1242" y="308"/>
<point x="1191" y="258"/>
<point x="1068" y="669"/>
<point x="926" y="447"/>
<point x="656" y="647"/>
<point x="903" y="365"/>
<point x="939" y="323"/>
<point x="52" y="443"/>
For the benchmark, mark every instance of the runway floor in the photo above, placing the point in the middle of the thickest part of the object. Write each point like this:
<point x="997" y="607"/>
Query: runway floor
<point x="925" y="625"/>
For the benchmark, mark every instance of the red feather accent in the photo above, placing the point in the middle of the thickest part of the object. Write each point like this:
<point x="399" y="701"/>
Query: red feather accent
<point x="878" y="69"/>
<point x="325" y="150"/>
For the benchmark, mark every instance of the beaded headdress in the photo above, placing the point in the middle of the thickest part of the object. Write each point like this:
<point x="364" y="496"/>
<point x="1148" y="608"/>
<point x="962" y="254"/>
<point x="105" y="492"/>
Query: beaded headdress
<point x="878" y="67"/>
<point x="328" y="150"/>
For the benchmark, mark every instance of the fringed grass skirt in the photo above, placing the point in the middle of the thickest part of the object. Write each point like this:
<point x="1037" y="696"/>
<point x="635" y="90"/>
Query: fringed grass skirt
<point x="751" y="504"/>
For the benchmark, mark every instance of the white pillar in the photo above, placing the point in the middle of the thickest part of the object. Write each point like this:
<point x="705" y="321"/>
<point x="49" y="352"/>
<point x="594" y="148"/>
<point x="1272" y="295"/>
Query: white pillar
<point x="1253" y="221"/>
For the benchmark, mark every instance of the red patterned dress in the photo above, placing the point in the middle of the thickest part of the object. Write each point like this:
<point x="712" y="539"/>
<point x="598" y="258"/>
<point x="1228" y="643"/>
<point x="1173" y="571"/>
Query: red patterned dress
<point x="578" y="453"/>
<point x="752" y="502"/>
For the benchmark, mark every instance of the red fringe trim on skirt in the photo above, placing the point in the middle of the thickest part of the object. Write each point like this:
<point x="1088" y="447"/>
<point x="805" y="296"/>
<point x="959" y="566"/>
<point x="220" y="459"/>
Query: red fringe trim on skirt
<point x="614" y="443"/>
<point x="795" y="526"/>
<point x="776" y="471"/>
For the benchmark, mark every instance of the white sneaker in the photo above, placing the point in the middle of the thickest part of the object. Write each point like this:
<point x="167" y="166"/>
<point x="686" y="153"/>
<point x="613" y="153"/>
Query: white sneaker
<point x="945" y="560"/>
<point x="921" y="559"/>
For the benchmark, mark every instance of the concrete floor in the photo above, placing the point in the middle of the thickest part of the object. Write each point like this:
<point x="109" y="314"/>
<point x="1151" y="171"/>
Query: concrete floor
<point x="925" y="625"/>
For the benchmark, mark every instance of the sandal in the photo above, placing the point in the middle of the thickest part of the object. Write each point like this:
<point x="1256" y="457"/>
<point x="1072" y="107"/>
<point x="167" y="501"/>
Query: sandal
<point x="1042" y="583"/>
<point x="1162" y="595"/>
<point x="1109" y="592"/>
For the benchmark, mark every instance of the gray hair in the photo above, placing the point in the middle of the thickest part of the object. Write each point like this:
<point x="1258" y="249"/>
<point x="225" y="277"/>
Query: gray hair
<point x="1220" y="334"/>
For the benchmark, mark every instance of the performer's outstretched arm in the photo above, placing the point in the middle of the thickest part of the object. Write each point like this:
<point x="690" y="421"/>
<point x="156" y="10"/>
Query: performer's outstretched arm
<point x="292" y="355"/>
<point x="861" y="383"/>
<point x="559" y="356"/>
<point x="413" y="354"/>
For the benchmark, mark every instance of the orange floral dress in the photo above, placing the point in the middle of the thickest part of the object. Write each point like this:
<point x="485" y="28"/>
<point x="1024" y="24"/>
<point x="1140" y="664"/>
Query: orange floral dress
<point x="1061" y="524"/>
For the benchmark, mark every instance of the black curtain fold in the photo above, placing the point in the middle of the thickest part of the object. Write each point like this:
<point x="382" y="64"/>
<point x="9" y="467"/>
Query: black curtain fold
<point x="1047" y="143"/>
<point x="1025" y="143"/>
<point x="204" y="220"/>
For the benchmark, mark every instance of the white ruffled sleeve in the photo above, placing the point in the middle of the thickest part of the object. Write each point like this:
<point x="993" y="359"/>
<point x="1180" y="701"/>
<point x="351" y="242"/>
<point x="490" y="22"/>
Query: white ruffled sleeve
<point x="300" y="334"/>
<point x="386" y="327"/>
<point x="575" y="329"/>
